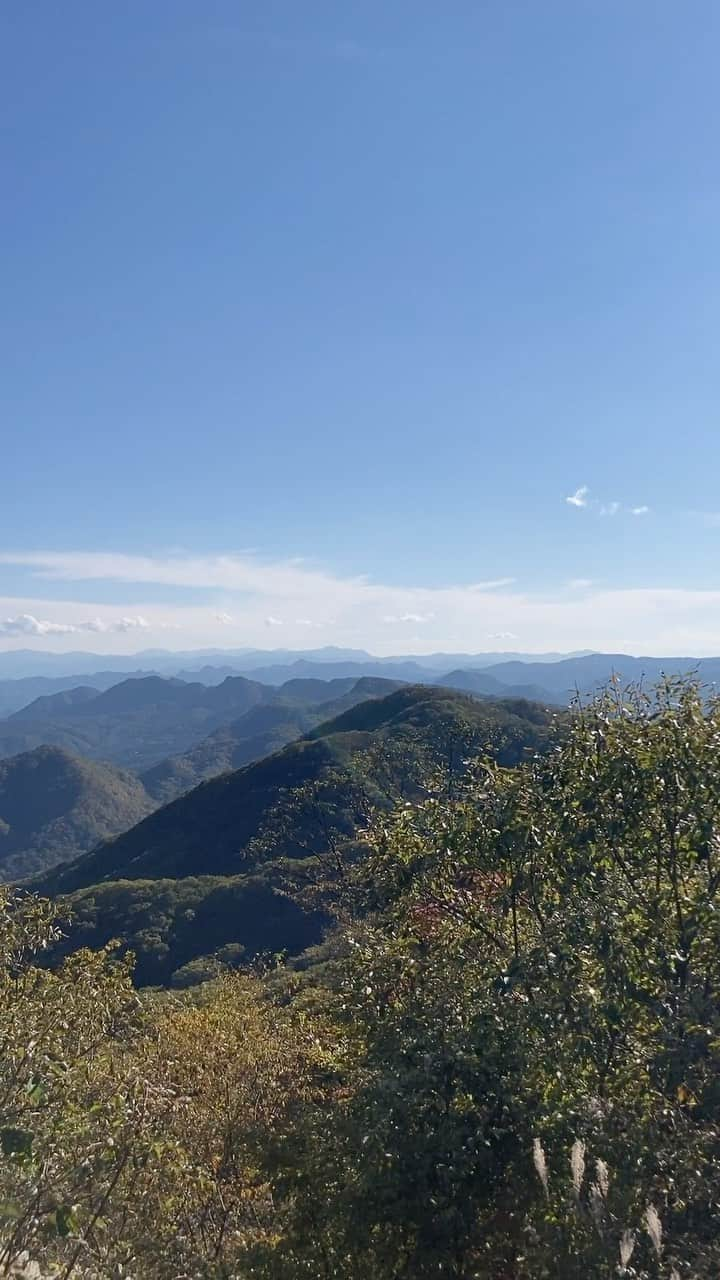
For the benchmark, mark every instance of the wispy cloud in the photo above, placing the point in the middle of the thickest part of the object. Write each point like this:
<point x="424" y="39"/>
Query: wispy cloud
<point x="260" y="596"/>
<point x="409" y="617"/>
<point x="579" y="498"/>
<point x="582" y="499"/>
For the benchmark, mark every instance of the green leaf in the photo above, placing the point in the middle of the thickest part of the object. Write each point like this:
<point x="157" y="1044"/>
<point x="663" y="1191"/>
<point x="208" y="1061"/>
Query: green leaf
<point x="65" y="1220"/>
<point x="36" y="1091"/>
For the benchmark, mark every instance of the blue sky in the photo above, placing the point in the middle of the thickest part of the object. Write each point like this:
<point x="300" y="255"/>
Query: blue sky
<point x="315" y="314"/>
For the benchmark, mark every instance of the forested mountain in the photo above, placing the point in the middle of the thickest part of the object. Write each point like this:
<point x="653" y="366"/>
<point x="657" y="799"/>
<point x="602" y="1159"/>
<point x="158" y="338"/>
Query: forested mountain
<point x="138" y="723"/>
<point x="485" y="685"/>
<point x="54" y="805"/>
<point x="299" y="705"/>
<point x="20" y="692"/>
<point x="134" y="723"/>
<point x="225" y="851"/>
<point x="207" y="831"/>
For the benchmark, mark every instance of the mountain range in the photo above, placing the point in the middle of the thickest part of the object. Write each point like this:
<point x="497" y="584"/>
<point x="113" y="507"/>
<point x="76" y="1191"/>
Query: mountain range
<point x="206" y="870"/>
<point x="55" y="804"/>
<point x="89" y="761"/>
<point x="25" y="663"/>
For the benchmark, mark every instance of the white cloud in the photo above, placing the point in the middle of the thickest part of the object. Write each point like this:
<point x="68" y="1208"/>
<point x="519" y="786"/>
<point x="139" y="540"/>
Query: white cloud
<point x="26" y="624"/>
<point x="580" y="584"/>
<point x="225" y="618"/>
<point x="121" y="624"/>
<point x="493" y="584"/>
<point x="502" y="635"/>
<point x="579" y="498"/>
<point x="351" y="610"/>
<point x="131" y="624"/>
<point x="409" y="617"/>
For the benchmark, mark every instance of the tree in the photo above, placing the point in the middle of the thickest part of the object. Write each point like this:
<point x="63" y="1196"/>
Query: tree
<point x="541" y="978"/>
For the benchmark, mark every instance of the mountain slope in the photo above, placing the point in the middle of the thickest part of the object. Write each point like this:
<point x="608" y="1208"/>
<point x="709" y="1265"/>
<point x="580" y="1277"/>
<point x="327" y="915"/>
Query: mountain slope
<point x="210" y="873"/>
<point x="264" y="729"/>
<point x="208" y="830"/>
<point x="587" y="673"/>
<point x="53" y="804"/>
<point x="485" y="685"/>
<point x="135" y="723"/>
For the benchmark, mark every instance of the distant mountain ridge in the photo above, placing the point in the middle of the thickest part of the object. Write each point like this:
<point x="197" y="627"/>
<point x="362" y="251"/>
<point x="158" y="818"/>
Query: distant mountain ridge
<point x="18" y="693"/>
<point x="33" y="663"/>
<point x="138" y="723"/>
<point x="262" y="730"/>
<point x="586" y="674"/>
<point x="135" y="723"/>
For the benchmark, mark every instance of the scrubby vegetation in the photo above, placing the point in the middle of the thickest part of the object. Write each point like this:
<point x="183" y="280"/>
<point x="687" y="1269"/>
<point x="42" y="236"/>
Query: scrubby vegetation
<point x="505" y="1064"/>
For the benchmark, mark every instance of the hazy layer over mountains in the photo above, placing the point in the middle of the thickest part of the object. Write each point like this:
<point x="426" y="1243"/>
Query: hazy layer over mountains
<point x="24" y="663"/>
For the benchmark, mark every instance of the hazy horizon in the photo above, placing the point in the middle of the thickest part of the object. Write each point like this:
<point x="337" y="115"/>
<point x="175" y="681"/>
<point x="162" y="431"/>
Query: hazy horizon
<point x="215" y="655"/>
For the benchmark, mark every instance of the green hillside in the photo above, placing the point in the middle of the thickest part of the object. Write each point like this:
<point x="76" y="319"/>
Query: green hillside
<point x="226" y="844"/>
<point x="54" y="805"/>
<point x="176" y="928"/>
<point x="264" y="729"/>
<point x="207" y="831"/>
<point x="135" y="723"/>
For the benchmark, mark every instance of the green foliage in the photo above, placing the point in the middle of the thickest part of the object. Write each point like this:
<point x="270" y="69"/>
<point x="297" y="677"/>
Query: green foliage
<point x="542" y="974"/>
<point x="132" y="1141"/>
<point x="503" y="1062"/>
<point x="175" y="928"/>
